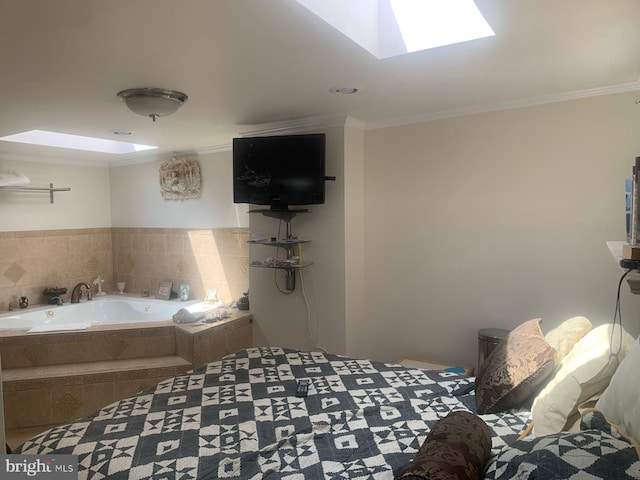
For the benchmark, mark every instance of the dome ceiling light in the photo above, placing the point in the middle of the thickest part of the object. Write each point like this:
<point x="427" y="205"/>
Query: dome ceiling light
<point x="153" y="102"/>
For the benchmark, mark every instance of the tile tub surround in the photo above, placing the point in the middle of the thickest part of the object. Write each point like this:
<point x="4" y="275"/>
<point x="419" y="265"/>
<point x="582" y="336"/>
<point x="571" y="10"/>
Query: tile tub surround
<point x="205" y="259"/>
<point x="51" y="378"/>
<point x="31" y="261"/>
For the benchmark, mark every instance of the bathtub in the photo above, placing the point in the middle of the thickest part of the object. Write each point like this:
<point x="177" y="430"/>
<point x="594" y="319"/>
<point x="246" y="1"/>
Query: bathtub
<point x="105" y="310"/>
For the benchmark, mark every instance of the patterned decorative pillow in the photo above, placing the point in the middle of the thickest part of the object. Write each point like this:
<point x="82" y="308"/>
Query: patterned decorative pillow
<point x="510" y="375"/>
<point x="596" y="453"/>
<point x="457" y="448"/>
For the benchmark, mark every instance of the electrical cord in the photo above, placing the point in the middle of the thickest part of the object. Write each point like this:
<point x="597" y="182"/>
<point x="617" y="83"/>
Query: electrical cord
<point x="617" y="316"/>
<point x="314" y="341"/>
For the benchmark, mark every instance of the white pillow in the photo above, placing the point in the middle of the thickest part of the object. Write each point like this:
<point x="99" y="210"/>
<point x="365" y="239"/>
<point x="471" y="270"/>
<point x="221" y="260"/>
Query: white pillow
<point x="566" y="335"/>
<point x="584" y="372"/>
<point x="620" y="402"/>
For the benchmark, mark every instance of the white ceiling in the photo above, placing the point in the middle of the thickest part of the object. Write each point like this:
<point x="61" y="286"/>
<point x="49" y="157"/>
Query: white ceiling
<point x="244" y="63"/>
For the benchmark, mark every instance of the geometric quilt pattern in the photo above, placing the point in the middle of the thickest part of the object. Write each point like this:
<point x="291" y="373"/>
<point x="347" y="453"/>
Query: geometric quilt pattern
<point x="239" y="418"/>
<point x="588" y="454"/>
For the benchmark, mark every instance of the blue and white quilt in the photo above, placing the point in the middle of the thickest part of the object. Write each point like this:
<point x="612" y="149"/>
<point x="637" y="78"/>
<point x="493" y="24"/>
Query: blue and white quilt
<point x="240" y="418"/>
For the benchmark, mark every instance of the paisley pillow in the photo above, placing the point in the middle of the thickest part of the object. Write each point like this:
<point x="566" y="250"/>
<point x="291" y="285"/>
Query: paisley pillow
<point x="510" y="375"/>
<point x="457" y="448"/>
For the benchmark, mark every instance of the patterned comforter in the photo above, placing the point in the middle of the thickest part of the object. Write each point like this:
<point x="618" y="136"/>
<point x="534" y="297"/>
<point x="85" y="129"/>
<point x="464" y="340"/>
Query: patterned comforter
<point x="239" y="418"/>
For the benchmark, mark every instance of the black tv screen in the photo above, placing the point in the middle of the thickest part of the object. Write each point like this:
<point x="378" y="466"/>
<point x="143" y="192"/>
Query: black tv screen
<point x="280" y="170"/>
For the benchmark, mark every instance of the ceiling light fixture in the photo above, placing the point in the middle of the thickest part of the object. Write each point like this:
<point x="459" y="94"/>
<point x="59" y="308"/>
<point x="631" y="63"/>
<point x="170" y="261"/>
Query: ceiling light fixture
<point x="153" y="102"/>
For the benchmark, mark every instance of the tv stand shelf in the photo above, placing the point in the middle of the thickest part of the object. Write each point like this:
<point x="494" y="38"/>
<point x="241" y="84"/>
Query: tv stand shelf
<point x="284" y="243"/>
<point x="283" y="267"/>
<point x="290" y="263"/>
<point x="281" y="214"/>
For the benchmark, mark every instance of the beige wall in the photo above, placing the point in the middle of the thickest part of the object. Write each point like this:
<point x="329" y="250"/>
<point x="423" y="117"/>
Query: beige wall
<point x="86" y="205"/>
<point x="283" y="318"/>
<point x="355" y="282"/>
<point x="137" y="202"/>
<point x="489" y="220"/>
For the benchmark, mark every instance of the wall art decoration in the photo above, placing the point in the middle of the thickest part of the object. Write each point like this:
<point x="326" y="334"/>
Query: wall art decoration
<point x="180" y="179"/>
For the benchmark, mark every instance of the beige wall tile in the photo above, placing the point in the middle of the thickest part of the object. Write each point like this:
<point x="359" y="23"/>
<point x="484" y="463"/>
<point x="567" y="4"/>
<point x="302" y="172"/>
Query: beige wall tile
<point x="140" y="244"/>
<point x="142" y="257"/>
<point x="27" y="407"/>
<point x="176" y="242"/>
<point x="102" y="242"/>
<point x="96" y="396"/>
<point x="66" y="403"/>
<point x="123" y="243"/>
<point x="39" y="399"/>
<point x="9" y="248"/>
<point x="158" y="244"/>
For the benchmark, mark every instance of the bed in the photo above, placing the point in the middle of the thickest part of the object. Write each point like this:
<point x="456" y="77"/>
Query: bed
<point x="240" y="418"/>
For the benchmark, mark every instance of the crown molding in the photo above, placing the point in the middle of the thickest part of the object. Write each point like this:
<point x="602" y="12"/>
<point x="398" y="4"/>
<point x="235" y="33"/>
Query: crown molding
<point x="507" y="105"/>
<point x="303" y="125"/>
<point x="214" y="149"/>
<point x="52" y="160"/>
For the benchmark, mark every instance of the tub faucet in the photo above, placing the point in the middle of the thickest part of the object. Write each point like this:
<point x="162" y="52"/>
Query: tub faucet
<point x="76" y="293"/>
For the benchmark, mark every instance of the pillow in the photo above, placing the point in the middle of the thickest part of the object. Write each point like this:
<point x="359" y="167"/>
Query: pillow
<point x="457" y="447"/>
<point x="584" y="372"/>
<point x="619" y="402"/>
<point x="566" y="335"/>
<point x="510" y="375"/>
<point x="591" y="454"/>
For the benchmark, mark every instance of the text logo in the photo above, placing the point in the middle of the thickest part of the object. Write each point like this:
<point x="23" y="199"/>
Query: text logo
<point x="50" y="467"/>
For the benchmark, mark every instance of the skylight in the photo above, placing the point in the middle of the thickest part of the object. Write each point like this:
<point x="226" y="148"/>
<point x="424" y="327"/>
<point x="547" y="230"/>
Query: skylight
<point x="387" y="28"/>
<point x="75" y="142"/>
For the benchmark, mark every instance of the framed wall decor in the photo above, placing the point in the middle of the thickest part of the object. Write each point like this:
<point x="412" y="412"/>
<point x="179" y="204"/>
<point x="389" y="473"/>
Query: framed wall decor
<point x="180" y="179"/>
<point x="164" y="290"/>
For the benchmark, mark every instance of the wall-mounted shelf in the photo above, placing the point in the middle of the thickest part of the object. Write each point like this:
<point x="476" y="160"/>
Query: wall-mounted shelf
<point x="290" y="263"/>
<point x="298" y="266"/>
<point x="284" y="243"/>
<point x="49" y="189"/>
<point x="615" y="247"/>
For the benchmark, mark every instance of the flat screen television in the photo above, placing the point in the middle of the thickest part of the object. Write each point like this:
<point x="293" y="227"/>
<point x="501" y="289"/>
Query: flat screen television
<point x="279" y="170"/>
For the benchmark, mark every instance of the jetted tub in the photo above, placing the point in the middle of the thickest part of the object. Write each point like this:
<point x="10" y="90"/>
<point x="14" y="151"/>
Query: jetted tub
<point x="106" y="310"/>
